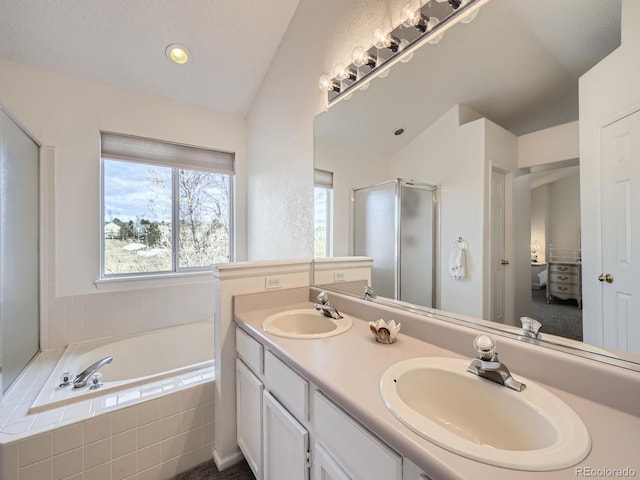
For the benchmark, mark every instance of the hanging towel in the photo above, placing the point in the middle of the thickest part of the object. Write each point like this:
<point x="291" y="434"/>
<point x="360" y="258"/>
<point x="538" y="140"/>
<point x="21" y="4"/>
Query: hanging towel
<point x="457" y="261"/>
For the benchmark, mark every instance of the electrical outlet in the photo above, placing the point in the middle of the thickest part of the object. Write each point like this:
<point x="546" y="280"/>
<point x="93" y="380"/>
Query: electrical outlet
<point x="271" y="282"/>
<point x="338" y="276"/>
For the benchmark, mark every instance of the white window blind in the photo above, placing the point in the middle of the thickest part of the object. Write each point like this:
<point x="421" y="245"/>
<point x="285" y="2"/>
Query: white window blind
<point x="137" y="149"/>
<point x="322" y="178"/>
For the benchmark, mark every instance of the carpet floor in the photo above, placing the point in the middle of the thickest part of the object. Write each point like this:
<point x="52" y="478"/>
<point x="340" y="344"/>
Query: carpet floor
<point x="209" y="471"/>
<point x="560" y="317"/>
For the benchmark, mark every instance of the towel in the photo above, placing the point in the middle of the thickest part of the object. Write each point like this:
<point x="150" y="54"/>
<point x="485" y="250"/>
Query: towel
<point x="457" y="261"/>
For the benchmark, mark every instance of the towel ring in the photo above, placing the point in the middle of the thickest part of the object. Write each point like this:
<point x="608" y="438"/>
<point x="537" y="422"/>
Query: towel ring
<point x="460" y="243"/>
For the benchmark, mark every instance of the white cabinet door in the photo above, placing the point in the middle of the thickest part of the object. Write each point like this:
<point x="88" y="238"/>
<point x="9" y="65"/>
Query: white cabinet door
<point x="249" y="416"/>
<point x="325" y="467"/>
<point x="410" y="471"/>
<point x="285" y="443"/>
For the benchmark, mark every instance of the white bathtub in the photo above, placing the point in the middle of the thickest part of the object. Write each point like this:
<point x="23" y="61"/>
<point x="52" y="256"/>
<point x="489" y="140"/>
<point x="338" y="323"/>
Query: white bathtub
<point x="138" y="359"/>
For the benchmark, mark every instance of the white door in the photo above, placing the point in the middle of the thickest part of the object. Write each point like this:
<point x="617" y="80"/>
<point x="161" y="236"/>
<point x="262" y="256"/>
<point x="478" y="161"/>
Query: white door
<point x="620" y="175"/>
<point x="285" y="443"/>
<point x="498" y="261"/>
<point x="249" y="418"/>
<point x="325" y="467"/>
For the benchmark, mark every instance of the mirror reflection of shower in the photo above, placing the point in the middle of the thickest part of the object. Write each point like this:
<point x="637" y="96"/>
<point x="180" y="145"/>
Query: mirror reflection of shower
<point x="394" y="222"/>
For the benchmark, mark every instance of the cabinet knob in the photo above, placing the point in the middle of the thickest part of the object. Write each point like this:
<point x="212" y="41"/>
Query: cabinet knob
<point x="505" y="262"/>
<point x="606" y="278"/>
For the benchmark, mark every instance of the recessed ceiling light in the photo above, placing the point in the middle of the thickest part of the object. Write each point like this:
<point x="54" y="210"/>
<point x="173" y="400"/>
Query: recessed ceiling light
<point x="178" y="53"/>
<point x="398" y="131"/>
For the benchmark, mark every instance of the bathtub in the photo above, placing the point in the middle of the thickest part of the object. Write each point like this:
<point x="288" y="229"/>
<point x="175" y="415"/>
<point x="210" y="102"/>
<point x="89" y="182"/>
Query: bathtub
<point x="139" y="359"/>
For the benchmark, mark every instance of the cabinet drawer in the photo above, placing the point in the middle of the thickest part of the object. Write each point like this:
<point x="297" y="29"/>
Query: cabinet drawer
<point x="286" y="385"/>
<point x="361" y="454"/>
<point x="564" y="289"/>
<point x="573" y="269"/>
<point x="563" y="278"/>
<point x="249" y="351"/>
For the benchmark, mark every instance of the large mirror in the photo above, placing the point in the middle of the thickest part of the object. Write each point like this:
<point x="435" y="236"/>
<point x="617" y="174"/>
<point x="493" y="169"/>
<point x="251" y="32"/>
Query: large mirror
<point x="489" y="115"/>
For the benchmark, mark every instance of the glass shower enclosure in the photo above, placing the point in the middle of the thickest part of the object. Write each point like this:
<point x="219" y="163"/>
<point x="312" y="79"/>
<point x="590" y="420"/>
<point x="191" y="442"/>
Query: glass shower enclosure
<point x="395" y="224"/>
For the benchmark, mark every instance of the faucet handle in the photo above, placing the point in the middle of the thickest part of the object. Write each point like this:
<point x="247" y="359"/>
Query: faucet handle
<point x="530" y="326"/>
<point x="323" y="298"/>
<point x="485" y="346"/>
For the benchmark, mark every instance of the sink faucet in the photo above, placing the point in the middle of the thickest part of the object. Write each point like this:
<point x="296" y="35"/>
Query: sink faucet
<point x="326" y="308"/>
<point x="488" y="366"/>
<point x="368" y="293"/>
<point x="83" y="377"/>
<point x="530" y="328"/>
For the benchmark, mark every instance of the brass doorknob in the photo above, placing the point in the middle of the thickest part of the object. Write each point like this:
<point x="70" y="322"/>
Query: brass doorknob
<point x="606" y="278"/>
<point x="505" y="262"/>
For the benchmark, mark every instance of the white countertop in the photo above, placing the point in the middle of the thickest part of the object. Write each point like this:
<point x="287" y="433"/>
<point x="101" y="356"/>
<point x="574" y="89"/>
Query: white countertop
<point x="348" y="368"/>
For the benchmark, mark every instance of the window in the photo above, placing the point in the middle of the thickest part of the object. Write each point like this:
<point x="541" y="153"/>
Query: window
<point x="165" y="207"/>
<point x="323" y="213"/>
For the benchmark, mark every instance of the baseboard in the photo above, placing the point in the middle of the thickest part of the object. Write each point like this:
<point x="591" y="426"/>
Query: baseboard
<point x="228" y="460"/>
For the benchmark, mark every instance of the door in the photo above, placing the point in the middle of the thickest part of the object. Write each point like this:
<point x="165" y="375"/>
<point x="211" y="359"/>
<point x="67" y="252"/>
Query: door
<point x="498" y="261"/>
<point x="620" y="174"/>
<point x="325" y="467"/>
<point x="285" y="443"/>
<point x="249" y="418"/>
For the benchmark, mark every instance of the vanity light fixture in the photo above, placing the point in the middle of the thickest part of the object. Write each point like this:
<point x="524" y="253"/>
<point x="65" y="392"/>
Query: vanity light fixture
<point x="178" y="53"/>
<point x="397" y="44"/>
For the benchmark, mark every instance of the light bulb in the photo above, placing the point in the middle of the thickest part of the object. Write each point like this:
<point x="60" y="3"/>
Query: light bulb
<point x="413" y="17"/>
<point x="468" y="17"/>
<point x="326" y="83"/>
<point x="403" y="44"/>
<point x="178" y="53"/>
<point x="433" y="21"/>
<point x="381" y="39"/>
<point x="345" y="73"/>
<point x="361" y="57"/>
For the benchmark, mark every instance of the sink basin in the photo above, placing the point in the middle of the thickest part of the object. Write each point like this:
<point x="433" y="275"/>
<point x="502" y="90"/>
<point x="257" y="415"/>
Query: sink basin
<point x="305" y="323"/>
<point x="479" y="419"/>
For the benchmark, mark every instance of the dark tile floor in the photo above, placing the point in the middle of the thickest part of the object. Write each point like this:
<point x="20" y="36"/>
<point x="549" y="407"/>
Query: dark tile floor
<point x="209" y="471"/>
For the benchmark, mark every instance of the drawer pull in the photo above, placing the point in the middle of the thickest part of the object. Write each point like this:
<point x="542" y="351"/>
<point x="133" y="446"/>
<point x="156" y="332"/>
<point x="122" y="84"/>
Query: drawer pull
<point x="564" y="289"/>
<point x="563" y="269"/>
<point x="563" y="278"/>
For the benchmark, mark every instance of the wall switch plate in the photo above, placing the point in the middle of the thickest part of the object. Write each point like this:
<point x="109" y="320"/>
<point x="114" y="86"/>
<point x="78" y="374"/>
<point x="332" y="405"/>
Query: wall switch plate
<point x="271" y="282"/>
<point x="338" y="277"/>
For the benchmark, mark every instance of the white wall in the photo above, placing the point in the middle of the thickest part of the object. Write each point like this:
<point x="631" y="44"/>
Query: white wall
<point x="608" y="92"/>
<point x="67" y="114"/>
<point x="539" y="214"/>
<point x="351" y="171"/>
<point x="564" y="212"/>
<point x="280" y="123"/>
<point x="452" y="155"/>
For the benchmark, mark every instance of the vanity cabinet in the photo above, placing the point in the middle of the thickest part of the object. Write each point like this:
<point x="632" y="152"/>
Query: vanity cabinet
<point x="249" y="391"/>
<point x="278" y="411"/>
<point x="565" y="281"/>
<point x="356" y="451"/>
<point x="285" y="443"/>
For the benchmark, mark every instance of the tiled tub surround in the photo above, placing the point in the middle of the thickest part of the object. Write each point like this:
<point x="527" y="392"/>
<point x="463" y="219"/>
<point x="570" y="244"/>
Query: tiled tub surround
<point x="137" y="360"/>
<point x="348" y="367"/>
<point x="146" y="431"/>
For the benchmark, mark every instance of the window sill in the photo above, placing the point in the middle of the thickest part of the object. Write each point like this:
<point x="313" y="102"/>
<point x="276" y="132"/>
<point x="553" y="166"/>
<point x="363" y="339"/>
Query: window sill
<point x="116" y="284"/>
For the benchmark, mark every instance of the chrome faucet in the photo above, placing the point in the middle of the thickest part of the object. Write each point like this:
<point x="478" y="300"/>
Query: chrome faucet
<point x="326" y="308"/>
<point x="83" y="377"/>
<point x="488" y="366"/>
<point x="368" y="293"/>
<point x="530" y="328"/>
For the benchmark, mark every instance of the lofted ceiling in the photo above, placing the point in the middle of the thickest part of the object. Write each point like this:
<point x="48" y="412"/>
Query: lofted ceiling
<point x="122" y="43"/>
<point x="517" y="64"/>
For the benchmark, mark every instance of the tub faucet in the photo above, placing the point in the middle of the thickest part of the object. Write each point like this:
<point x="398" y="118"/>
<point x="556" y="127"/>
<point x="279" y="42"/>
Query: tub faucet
<point x="488" y="366"/>
<point x="326" y="308"/>
<point x="83" y="377"/>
